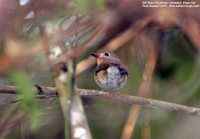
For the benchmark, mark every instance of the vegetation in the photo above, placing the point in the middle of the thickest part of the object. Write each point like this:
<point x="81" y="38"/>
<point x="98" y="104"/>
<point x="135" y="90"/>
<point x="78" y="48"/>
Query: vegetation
<point x="47" y="87"/>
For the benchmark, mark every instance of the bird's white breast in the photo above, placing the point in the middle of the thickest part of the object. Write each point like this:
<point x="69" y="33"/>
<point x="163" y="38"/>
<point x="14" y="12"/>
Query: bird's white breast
<point x="113" y="81"/>
<point x="112" y="71"/>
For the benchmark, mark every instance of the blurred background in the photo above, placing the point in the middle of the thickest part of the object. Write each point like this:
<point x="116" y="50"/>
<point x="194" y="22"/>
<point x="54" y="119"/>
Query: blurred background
<point x="160" y="47"/>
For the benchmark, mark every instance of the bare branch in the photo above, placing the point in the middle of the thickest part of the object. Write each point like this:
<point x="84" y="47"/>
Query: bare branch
<point x="140" y="101"/>
<point x="117" y="97"/>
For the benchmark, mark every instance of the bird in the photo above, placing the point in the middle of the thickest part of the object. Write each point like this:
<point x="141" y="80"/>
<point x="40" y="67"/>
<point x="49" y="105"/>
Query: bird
<point x="111" y="74"/>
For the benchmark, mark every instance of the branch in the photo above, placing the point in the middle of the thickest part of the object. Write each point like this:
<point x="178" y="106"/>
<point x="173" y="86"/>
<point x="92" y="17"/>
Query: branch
<point x="139" y="101"/>
<point x="144" y="90"/>
<point x="51" y="91"/>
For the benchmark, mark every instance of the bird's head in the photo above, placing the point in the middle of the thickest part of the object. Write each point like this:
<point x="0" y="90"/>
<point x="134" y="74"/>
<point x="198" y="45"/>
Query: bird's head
<point x="106" y="57"/>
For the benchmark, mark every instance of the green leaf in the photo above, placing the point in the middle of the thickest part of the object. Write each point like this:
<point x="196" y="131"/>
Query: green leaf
<point x="89" y="6"/>
<point x="82" y="5"/>
<point x="101" y="3"/>
<point x="27" y="95"/>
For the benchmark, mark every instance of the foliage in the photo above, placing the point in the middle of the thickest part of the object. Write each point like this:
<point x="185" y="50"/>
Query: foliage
<point x="28" y="97"/>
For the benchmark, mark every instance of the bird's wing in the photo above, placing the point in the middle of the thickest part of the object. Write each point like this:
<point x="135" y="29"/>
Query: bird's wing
<point x="123" y="70"/>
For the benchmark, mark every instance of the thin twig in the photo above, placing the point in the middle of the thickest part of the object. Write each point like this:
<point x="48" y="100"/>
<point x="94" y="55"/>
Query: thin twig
<point x="4" y="122"/>
<point x="121" y="98"/>
<point x="143" y="91"/>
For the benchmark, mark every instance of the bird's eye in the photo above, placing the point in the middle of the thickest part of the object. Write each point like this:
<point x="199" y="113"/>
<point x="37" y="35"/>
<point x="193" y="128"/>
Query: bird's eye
<point x="106" y="54"/>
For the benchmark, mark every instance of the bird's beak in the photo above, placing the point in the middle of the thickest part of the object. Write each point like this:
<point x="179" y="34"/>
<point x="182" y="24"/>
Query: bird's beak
<point x="95" y="55"/>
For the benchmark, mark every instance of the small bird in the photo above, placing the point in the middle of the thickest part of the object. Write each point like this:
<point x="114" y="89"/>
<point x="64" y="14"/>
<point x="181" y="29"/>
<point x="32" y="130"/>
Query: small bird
<point x="111" y="74"/>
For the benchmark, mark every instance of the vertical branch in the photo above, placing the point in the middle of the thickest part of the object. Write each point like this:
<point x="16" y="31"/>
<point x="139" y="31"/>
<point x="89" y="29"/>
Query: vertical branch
<point x="64" y="89"/>
<point x="69" y="93"/>
<point x="143" y="91"/>
<point x="79" y="124"/>
<point x="54" y="43"/>
<point x="146" y="128"/>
